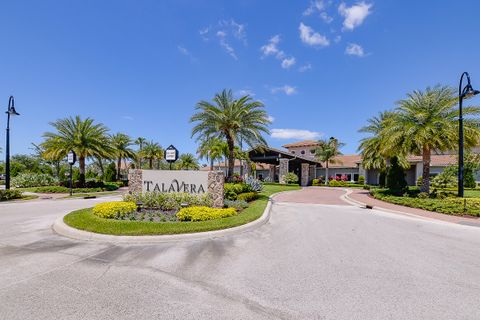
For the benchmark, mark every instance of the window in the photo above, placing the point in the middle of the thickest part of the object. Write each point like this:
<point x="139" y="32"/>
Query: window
<point x="312" y="151"/>
<point x="302" y="152"/>
<point x="293" y="152"/>
<point x="355" y="177"/>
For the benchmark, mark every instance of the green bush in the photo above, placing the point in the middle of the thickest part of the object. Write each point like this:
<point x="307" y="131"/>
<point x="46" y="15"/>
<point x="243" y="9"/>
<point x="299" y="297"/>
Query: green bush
<point x="110" y="186"/>
<point x="204" y="213"/>
<point x="445" y="179"/>
<point x="335" y="183"/>
<point x="361" y="180"/>
<point x="27" y="180"/>
<point x="247" y="196"/>
<point x="58" y="189"/>
<point x="290" y="178"/>
<point x="420" y="181"/>
<point x="114" y="209"/>
<point x="10" y="194"/>
<point x="169" y="201"/>
<point x="316" y="182"/>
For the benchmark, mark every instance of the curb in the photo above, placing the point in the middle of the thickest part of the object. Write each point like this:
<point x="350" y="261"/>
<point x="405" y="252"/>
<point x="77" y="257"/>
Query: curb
<point x="63" y="229"/>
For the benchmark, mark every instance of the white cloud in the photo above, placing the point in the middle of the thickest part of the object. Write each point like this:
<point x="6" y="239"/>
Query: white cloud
<point x="129" y="118"/>
<point x="226" y="31"/>
<point x="272" y="49"/>
<point x="305" y="67"/>
<point x="245" y="92"/>
<point x="315" y="6"/>
<point x="337" y="39"/>
<point x="312" y="38"/>
<point x="288" y="62"/>
<point x="354" y="49"/>
<point x="270" y="118"/>
<point x="295" y="134"/>
<point x="288" y="90"/>
<point x="354" y="15"/>
<point x="325" y="17"/>
<point x="184" y="51"/>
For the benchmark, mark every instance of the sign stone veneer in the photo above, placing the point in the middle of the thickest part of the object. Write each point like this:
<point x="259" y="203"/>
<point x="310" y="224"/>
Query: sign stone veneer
<point x="215" y="183"/>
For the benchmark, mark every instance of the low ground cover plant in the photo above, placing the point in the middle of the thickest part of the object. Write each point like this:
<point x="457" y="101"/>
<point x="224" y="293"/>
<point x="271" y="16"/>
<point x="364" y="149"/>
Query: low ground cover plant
<point x="204" y="213"/>
<point x="247" y="196"/>
<point x="114" y="209"/>
<point x="10" y="194"/>
<point x="236" y="204"/>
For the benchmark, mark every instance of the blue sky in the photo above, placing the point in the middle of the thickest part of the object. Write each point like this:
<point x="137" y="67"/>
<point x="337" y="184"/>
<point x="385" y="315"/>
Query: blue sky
<point x="320" y="67"/>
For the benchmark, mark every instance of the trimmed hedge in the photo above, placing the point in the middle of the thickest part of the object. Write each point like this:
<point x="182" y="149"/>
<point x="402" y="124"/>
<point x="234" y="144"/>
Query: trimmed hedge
<point x="204" y="213"/>
<point x="169" y="201"/>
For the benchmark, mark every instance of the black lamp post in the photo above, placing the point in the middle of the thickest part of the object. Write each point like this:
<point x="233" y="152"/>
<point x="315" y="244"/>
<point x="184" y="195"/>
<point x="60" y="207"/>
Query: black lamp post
<point x="463" y="92"/>
<point x="10" y="112"/>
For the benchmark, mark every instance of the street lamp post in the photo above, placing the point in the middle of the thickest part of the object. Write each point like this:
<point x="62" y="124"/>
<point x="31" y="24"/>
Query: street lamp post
<point x="463" y="92"/>
<point x="10" y="112"/>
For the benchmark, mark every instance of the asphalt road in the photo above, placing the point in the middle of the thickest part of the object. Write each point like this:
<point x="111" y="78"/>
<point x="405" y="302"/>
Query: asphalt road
<point x="311" y="261"/>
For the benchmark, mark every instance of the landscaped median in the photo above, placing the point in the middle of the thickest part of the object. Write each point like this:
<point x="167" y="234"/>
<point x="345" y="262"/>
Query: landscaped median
<point x="447" y="205"/>
<point x="168" y="218"/>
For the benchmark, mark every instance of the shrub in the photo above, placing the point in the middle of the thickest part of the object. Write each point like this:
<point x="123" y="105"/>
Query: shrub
<point x="204" y="213"/>
<point x="27" y="180"/>
<point x="110" y="186"/>
<point x="114" y="209"/>
<point x="169" y="201"/>
<point x="469" y="180"/>
<point x="247" y="196"/>
<point x="420" y="181"/>
<point x="253" y="184"/>
<point x="236" y="204"/>
<point x="335" y="183"/>
<point x="316" y="182"/>
<point x="290" y="178"/>
<point x="10" y="194"/>
<point x="396" y="178"/>
<point x="445" y="179"/>
<point x="361" y="180"/>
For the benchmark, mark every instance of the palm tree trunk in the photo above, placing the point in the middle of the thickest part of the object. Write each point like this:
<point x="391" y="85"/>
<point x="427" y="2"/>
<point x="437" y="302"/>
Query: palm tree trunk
<point x="211" y="164"/>
<point x="119" y="164"/>
<point x="81" y="167"/>
<point x="100" y="165"/>
<point x="150" y="163"/>
<point x="326" y="172"/>
<point x="426" y="169"/>
<point x="231" y="158"/>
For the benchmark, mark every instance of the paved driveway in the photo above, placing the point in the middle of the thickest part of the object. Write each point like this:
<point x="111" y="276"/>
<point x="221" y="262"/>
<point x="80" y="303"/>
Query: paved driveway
<point x="311" y="261"/>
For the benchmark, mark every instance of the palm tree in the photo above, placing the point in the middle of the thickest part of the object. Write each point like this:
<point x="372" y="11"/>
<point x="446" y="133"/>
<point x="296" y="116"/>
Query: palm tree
<point x="159" y="156"/>
<point x="140" y="142"/>
<point x="326" y="152"/>
<point x="86" y="138"/>
<point x="121" y="149"/>
<point x="151" y="151"/>
<point x="231" y="120"/>
<point x="187" y="162"/>
<point x="427" y="121"/>
<point x="211" y="150"/>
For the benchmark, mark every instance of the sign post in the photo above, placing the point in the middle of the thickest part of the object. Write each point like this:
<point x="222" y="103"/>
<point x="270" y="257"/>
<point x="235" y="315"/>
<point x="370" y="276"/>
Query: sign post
<point x="71" y="159"/>
<point x="171" y="155"/>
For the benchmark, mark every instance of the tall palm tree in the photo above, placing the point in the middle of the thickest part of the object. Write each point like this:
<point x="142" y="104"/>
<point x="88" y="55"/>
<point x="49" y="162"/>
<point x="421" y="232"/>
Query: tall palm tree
<point x="188" y="162"/>
<point x="427" y="121"/>
<point x="230" y="119"/>
<point x="326" y="152"/>
<point x="150" y="152"/>
<point x="159" y="156"/>
<point x="121" y="149"/>
<point x="86" y="138"/>
<point x="140" y="142"/>
<point x="211" y="150"/>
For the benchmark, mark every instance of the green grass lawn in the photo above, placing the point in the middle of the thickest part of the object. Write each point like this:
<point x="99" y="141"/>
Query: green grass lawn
<point x="85" y="219"/>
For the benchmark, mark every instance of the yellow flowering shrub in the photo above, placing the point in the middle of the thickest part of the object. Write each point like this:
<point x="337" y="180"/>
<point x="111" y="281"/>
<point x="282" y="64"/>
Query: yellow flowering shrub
<point x="112" y="209"/>
<point x="204" y="213"/>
